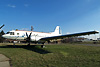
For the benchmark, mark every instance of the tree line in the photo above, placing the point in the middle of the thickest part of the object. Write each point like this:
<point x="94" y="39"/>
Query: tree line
<point x="1" y="38"/>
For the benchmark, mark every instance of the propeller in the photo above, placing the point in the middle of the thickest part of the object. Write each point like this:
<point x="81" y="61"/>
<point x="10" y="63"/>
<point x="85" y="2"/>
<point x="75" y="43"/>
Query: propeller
<point x="2" y="26"/>
<point x="28" y="39"/>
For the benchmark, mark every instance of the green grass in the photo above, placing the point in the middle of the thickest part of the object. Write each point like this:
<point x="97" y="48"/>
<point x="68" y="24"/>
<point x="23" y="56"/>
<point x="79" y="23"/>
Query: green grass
<point x="62" y="55"/>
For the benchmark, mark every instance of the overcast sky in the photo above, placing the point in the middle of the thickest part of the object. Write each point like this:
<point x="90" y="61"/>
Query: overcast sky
<point x="44" y="15"/>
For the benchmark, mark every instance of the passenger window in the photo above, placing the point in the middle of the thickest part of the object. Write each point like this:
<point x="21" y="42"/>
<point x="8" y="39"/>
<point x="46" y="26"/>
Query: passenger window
<point x="11" y="33"/>
<point x="17" y="33"/>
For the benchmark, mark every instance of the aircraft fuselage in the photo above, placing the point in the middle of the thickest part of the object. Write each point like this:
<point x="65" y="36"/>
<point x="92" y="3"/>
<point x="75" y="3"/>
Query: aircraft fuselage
<point x="21" y="35"/>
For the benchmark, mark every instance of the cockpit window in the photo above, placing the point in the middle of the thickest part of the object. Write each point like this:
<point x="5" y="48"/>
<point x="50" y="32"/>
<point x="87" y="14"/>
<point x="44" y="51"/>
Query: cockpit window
<point x="7" y="32"/>
<point x="11" y="33"/>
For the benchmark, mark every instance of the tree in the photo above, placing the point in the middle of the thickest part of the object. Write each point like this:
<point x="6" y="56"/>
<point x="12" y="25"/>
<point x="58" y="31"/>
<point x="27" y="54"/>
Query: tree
<point x="1" y="38"/>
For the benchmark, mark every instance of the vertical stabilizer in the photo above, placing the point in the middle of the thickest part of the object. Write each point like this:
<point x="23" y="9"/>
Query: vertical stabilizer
<point x="57" y="30"/>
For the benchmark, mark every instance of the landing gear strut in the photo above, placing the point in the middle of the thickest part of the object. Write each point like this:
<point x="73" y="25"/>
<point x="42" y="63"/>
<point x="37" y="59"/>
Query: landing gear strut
<point x="28" y="44"/>
<point x="14" y="43"/>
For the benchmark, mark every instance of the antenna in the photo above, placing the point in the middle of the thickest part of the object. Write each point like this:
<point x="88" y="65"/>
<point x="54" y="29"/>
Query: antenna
<point x="32" y="28"/>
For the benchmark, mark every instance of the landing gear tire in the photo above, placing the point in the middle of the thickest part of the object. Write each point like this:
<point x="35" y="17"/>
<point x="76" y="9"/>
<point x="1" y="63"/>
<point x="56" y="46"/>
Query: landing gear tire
<point x="42" y="46"/>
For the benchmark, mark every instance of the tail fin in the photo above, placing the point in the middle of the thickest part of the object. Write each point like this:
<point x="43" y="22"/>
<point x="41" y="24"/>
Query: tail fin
<point x="57" y="30"/>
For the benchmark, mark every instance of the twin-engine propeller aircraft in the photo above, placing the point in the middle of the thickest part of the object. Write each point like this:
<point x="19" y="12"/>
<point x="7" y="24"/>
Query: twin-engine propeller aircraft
<point x="41" y="37"/>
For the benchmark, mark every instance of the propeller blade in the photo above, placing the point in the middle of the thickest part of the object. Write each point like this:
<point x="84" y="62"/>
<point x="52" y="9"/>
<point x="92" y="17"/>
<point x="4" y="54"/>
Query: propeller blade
<point x="26" y="34"/>
<point x="2" y="26"/>
<point x="30" y="35"/>
<point x="28" y="39"/>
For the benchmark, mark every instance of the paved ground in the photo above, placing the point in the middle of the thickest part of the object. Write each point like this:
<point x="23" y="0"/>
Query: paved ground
<point x="4" y="61"/>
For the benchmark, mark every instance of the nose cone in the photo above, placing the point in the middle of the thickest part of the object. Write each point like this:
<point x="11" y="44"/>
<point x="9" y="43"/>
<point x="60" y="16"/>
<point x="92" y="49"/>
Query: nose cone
<point x="3" y="36"/>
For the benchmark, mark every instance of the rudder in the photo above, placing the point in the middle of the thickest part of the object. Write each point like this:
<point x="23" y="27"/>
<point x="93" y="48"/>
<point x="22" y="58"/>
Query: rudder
<point x="57" y="30"/>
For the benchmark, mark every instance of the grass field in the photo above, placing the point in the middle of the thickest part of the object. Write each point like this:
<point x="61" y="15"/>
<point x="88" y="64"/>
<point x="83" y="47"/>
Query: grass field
<point x="62" y="55"/>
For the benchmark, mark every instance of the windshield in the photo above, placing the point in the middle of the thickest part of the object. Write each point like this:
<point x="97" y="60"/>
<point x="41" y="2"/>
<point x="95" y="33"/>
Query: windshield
<point x="11" y="33"/>
<point x="7" y="32"/>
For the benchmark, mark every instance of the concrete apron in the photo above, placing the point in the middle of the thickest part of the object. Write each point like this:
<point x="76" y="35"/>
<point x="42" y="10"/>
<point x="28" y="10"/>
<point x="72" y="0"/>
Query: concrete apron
<point x="4" y="61"/>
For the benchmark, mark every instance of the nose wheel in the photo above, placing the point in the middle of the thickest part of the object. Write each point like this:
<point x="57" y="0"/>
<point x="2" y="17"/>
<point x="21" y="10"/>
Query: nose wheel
<point x="42" y="46"/>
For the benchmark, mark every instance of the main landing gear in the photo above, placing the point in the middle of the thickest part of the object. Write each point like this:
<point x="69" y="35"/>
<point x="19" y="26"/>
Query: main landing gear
<point x="42" y="46"/>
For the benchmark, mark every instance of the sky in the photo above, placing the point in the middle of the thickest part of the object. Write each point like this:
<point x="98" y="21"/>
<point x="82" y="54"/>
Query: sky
<point x="44" y="15"/>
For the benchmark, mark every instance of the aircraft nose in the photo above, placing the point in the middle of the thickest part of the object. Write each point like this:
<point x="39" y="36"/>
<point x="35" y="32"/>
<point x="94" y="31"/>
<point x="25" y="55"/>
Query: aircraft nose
<point x="3" y="36"/>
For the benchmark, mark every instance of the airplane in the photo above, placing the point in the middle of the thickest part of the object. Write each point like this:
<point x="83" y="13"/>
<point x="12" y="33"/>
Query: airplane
<point x="41" y="37"/>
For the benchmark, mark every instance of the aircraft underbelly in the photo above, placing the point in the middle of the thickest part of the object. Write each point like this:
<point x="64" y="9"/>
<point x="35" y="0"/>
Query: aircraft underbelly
<point x="20" y="38"/>
<point x="15" y="37"/>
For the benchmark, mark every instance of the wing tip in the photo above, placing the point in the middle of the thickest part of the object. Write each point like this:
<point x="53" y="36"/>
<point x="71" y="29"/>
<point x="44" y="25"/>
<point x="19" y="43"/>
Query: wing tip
<point x="96" y="31"/>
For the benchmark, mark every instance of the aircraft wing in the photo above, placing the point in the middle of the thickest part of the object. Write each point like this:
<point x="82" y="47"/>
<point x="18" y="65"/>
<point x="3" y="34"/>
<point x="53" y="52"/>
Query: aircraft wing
<point x="69" y="35"/>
